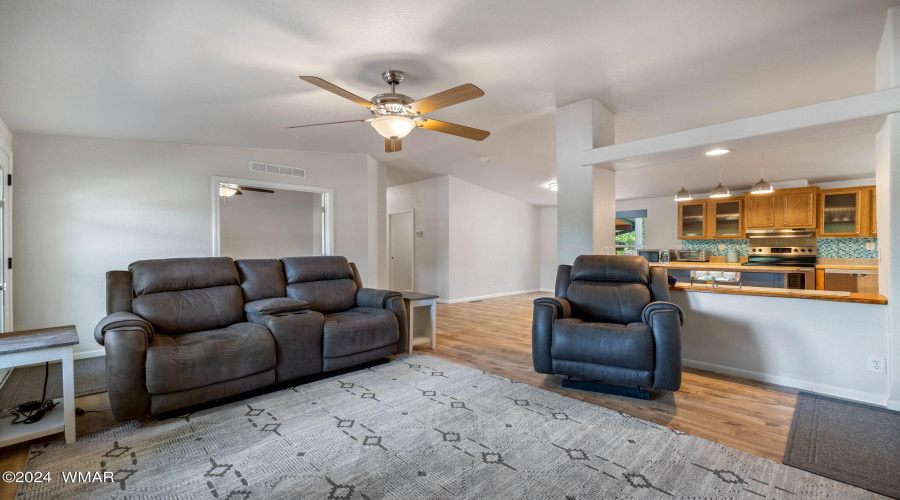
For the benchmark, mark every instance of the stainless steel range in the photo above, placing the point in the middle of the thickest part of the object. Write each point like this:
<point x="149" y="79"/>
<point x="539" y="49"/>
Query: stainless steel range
<point x="782" y="256"/>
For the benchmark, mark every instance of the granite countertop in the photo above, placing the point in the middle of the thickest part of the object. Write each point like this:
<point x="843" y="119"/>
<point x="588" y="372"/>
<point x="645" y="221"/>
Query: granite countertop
<point x="863" y="298"/>
<point x="730" y="267"/>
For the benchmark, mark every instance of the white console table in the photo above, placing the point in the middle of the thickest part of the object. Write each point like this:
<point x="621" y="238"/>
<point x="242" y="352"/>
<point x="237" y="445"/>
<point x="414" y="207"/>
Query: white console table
<point x="30" y="347"/>
<point x="421" y="318"/>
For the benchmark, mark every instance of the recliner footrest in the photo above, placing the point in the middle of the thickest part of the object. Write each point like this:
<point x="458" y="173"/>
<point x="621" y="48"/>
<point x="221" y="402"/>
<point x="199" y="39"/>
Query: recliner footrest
<point x="615" y="390"/>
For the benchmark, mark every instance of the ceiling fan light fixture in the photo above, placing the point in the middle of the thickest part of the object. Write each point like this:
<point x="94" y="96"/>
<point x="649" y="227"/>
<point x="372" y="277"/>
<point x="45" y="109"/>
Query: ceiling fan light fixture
<point x="553" y="186"/>
<point x="762" y="187"/>
<point x="393" y="127"/>
<point x="227" y="190"/>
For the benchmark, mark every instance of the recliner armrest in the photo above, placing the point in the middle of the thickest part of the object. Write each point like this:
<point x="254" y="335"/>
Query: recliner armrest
<point x="659" y="306"/>
<point x="279" y="305"/>
<point x="376" y="299"/>
<point x="563" y="308"/>
<point x="122" y="320"/>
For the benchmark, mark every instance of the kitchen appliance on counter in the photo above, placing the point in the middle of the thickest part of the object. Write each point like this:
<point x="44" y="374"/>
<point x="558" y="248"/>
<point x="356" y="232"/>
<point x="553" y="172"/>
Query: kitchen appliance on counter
<point x="692" y="255"/>
<point x="655" y="255"/>
<point x="801" y="257"/>
<point x="851" y="280"/>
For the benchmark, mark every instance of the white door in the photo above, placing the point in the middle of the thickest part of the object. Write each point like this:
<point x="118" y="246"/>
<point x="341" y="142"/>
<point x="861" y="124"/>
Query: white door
<point x="402" y="256"/>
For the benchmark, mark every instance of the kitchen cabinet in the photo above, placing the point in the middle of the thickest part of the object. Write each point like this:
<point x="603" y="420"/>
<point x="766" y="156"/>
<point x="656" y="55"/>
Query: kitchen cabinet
<point x="726" y="217"/>
<point x="846" y="212"/>
<point x="849" y="280"/>
<point x="783" y="208"/>
<point x="692" y="220"/>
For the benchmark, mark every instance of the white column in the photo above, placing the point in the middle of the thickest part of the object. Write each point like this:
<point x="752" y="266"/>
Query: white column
<point x="586" y="206"/>
<point x="887" y="180"/>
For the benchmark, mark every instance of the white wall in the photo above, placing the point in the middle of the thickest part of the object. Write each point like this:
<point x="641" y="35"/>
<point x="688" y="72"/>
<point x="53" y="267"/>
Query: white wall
<point x="548" y="249"/>
<point x="430" y="201"/>
<point x="268" y="226"/>
<point x="494" y="243"/>
<point x="808" y="344"/>
<point x="661" y="225"/>
<point x="5" y="136"/>
<point x="87" y="206"/>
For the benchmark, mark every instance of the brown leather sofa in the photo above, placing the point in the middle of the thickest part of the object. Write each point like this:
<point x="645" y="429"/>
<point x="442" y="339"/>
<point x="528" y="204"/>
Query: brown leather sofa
<point x="181" y="332"/>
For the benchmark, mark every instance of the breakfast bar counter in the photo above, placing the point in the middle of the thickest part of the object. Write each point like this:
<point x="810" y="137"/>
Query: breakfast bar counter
<point x="728" y="267"/>
<point x="860" y="298"/>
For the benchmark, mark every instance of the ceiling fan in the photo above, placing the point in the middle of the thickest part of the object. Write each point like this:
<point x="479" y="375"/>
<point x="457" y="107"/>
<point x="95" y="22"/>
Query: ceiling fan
<point x="396" y="115"/>
<point x="226" y="190"/>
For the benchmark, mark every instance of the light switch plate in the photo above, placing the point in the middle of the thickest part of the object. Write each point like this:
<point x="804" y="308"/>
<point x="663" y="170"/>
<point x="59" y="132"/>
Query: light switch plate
<point x="721" y="246"/>
<point x="870" y="245"/>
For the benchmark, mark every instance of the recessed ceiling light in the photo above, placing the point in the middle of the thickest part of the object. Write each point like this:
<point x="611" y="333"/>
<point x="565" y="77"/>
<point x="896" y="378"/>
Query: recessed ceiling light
<point x="484" y="159"/>
<point x="717" y="152"/>
<point x="553" y="186"/>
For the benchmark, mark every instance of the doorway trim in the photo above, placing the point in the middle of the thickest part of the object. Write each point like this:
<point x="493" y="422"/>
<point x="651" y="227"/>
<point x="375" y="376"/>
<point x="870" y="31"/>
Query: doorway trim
<point x="6" y="273"/>
<point x="327" y="194"/>
<point x="391" y="252"/>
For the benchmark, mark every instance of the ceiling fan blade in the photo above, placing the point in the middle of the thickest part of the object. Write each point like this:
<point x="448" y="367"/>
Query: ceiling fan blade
<point x="454" y="129"/>
<point x="334" y="89"/>
<point x="259" y="190"/>
<point x="446" y="98"/>
<point x="393" y="146"/>
<point x="331" y="123"/>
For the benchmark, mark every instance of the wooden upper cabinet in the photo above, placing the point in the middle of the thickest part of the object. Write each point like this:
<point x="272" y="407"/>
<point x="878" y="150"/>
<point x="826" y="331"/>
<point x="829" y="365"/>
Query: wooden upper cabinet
<point x="797" y="207"/>
<point x="726" y="217"/>
<point x="692" y="220"/>
<point x="760" y="211"/>
<point x="847" y="212"/>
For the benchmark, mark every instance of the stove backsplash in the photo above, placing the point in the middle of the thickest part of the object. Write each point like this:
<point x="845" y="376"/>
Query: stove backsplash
<point x="827" y="248"/>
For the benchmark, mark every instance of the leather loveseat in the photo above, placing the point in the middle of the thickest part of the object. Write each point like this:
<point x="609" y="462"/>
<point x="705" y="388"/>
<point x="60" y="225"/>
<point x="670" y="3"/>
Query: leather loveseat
<point x="610" y="323"/>
<point x="181" y="332"/>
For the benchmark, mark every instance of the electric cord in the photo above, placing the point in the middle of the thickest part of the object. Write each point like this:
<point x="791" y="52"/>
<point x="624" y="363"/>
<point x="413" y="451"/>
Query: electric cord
<point x="34" y="411"/>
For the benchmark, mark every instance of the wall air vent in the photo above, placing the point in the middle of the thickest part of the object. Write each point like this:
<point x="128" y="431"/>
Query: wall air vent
<point x="271" y="168"/>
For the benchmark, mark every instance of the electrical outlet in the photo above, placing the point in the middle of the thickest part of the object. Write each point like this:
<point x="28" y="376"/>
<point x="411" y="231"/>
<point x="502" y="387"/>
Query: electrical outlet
<point x="721" y="246"/>
<point x="490" y="284"/>
<point x="506" y="284"/>
<point x="877" y="365"/>
<point x="870" y="245"/>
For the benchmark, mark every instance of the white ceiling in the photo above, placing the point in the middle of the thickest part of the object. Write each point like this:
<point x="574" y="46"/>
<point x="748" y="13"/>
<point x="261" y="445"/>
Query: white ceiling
<point x="225" y="73"/>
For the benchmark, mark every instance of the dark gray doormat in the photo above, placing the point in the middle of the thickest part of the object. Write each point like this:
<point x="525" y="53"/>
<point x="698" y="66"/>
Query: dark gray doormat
<point x="850" y="442"/>
<point x="26" y="384"/>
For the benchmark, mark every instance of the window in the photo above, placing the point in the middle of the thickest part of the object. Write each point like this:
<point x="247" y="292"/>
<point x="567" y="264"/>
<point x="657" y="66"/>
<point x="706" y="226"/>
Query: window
<point x="630" y="231"/>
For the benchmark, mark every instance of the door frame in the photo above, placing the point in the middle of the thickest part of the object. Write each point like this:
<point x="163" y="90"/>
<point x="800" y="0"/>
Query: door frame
<point x="327" y="194"/>
<point x="390" y="250"/>
<point x="6" y="274"/>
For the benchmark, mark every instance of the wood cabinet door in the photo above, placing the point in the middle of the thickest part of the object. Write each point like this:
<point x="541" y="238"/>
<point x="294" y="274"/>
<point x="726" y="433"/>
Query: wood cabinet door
<point x="797" y="209"/>
<point x="843" y="212"/>
<point x="869" y="215"/>
<point x="692" y="220"/>
<point x="726" y="218"/>
<point x="760" y="211"/>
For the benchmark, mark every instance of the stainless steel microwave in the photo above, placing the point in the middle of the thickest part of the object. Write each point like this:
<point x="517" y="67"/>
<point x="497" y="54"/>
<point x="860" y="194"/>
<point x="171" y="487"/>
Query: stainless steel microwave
<point x="692" y="255"/>
<point x="654" y="255"/>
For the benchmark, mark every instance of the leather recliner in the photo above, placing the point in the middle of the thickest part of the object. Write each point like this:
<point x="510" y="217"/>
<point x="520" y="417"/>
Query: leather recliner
<point x="182" y="332"/>
<point x="611" y="323"/>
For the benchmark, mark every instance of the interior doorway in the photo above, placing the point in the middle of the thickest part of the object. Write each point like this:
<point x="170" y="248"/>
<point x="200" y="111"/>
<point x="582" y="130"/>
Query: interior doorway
<point x="402" y="250"/>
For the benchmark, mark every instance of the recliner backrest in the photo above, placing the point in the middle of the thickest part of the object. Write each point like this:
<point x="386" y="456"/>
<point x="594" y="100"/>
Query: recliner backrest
<point x="326" y="282"/>
<point x="187" y="295"/>
<point x="609" y="288"/>
<point x="261" y="278"/>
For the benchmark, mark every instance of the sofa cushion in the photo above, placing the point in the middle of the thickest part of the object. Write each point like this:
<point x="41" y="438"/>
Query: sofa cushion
<point x="261" y="278"/>
<point x="327" y="296"/>
<point x="624" y="346"/>
<point x="608" y="302"/>
<point x="305" y="269"/>
<point x="191" y="360"/>
<point x="191" y="310"/>
<point x="167" y="275"/>
<point x="357" y="330"/>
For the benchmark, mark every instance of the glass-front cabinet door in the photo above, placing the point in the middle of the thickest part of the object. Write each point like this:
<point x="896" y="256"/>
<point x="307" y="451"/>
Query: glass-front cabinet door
<point x="692" y="220"/>
<point x="725" y="218"/>
<point x="839" y="212"/>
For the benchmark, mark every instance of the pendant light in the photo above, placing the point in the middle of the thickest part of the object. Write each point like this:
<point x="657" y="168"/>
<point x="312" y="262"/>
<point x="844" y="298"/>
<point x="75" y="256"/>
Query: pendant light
<point x="684" y="194"/>
<point x="761" y="187"/>
<point x="719" y="191"/>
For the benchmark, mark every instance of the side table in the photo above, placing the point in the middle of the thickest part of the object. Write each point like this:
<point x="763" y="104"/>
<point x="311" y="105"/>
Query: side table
<point x="30" y="347"/>
<point x="421" y="315"/>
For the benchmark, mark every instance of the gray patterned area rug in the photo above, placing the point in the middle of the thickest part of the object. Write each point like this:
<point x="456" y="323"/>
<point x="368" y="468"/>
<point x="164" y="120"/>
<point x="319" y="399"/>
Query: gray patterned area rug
<point x="416" y="428"/>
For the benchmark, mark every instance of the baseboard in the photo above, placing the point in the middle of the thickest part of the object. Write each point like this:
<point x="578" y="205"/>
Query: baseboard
<point x="893" y="405"/>
<point x="4" y="375"/>
<point x="865" y="397"/>
<point x="89" y="354"/>
<point x="482" y="297"/>
<point x="548" y="290"/>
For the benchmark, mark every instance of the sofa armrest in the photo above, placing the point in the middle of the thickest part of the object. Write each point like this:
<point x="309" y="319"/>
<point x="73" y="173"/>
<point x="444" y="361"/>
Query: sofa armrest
<point x="563" y="307"/>
<point x="126" y="370"/>
<point x="665" y="320"/>
<point x="376" y="299"/>
<point x="123" y="321"/>
<point x="258" y="310"/>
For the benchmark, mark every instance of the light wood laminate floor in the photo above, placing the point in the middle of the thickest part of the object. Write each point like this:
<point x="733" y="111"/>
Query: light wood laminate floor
<point x="494" y="335"/>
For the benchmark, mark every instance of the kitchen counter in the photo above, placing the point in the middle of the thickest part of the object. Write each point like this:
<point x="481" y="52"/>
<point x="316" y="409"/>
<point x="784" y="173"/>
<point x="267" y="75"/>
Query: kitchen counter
<point x="862" y="298"/>
<point x="845" y="266"/>
<point x="732" y="267"/>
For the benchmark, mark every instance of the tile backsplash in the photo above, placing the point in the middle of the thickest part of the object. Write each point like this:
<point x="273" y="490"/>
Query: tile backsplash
<point x="846" y="248"/>
<point x="712" y="246"/>
<point x="827" y="248"/>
